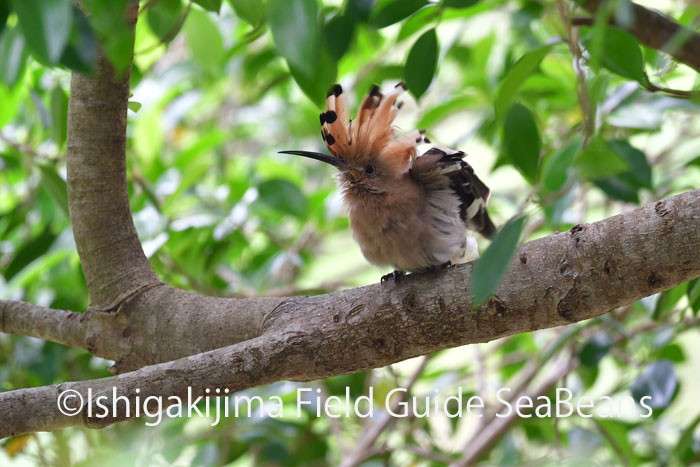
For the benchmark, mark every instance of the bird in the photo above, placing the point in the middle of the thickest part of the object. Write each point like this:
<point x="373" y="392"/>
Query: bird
<point x="406" y="211"/>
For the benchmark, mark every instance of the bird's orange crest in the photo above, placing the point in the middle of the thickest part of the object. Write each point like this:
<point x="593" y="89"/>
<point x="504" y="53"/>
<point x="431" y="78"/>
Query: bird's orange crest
<point x="370" y="135"/>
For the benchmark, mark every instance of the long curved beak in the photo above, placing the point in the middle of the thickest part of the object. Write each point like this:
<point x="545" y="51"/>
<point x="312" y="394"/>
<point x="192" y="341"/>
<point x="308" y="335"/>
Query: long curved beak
<point x="335" y="161"/>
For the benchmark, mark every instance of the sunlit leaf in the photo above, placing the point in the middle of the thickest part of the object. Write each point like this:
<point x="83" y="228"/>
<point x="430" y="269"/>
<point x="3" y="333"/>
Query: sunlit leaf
<point x="204" y="39"/>
<point x="59" y="115"/>
<point x="556" y="168"/>
<point x="489" y="269"/>
<point x="516" y="76"/>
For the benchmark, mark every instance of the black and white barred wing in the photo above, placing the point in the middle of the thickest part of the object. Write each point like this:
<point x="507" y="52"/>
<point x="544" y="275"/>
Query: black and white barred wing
<point x="442" y="167"/>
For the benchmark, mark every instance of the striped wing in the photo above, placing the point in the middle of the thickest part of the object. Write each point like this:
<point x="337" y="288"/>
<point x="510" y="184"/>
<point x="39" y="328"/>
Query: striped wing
<point x="441" y="166"/>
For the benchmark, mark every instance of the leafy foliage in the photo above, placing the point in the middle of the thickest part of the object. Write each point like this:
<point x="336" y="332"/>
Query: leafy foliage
<point x="220" y="86"/>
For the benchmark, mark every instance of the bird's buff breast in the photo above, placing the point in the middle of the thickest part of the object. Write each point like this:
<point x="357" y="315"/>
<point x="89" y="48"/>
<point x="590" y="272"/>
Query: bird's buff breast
<point x="401" y="241"/>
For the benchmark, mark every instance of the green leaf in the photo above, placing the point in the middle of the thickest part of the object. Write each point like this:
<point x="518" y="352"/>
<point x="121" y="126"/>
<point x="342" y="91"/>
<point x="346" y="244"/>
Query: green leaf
<point x="618" y="187"/>
<point x="620" y="53"/>
<point x="657" y="381"/>
<point x="164" y="16"/>
<point x="338" y="33"/>
<point x="694" y="296"/>
<point x="29" y="252"/>
<point x="46" y="25"/>
<point x="459" y="3"/>
<point x="668" y="299"/>
<point x="418" y="21"/>
<point x="517" y="75"/>
<point x="204" y="39"/>
<point x="13" y="56"/>
<point x="82" y="50"/>
<point x="595" y="349"/>
<point x="4" y="13"/>
<point x="521" y="141"/>
<point x="388" y="12"/>
<point x="489" y="269"/>
<point x="617" y="434"/>
<point x="640" y="170"/>
<point x="295" y="29"/>
<point x="684" y="448"/>
<point x="59" y="115"/>
<point x="251" y="11"/>
<point x="598" y="160"/>
<point x="55" y="185"/>
<point x="421" y="63"/>
<point x="110" y="22"/>
<point x="134" y="106"/>
<point x="210" y="5"/>
<point x="672" y="352"/>
<point x="283" y="196"/>
<point x="556" y="168"/>
<point x="316" y="86"/>
<point x="359" y="9"/>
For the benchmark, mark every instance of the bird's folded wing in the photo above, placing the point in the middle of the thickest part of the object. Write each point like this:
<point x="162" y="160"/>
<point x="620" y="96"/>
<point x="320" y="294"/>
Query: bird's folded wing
<point x="439" y="168"/>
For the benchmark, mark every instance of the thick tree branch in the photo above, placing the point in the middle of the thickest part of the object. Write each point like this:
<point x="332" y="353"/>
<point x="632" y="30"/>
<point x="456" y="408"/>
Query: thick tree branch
<point x="657" y="31"/>
<point x="113" y="261"/>
<point x="556" y="280"/>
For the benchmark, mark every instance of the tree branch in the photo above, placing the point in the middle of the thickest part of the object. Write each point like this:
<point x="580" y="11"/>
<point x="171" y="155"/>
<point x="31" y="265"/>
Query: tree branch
<point x="556" y="280"/>
<point x="657" y="31"/>
<point x="113" y="261"/>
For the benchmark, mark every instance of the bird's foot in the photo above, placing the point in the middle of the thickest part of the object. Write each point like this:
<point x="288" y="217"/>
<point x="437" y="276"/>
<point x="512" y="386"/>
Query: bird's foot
<point x="396" y="275"/>
<point x="442" y="266"/>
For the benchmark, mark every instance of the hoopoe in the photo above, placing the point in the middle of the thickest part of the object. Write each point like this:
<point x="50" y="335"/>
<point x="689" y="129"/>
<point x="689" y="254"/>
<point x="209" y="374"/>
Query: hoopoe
<point x="405" y="211"/>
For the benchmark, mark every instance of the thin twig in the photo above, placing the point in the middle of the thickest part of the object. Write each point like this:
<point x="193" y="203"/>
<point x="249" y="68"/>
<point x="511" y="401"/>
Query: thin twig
<point x="573" y="41"/>
<point x="365" y="445"/>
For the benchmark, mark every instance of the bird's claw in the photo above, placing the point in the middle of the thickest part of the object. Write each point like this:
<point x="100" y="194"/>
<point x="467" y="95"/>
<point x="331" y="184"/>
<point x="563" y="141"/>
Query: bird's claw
<point x="396" y="275"/>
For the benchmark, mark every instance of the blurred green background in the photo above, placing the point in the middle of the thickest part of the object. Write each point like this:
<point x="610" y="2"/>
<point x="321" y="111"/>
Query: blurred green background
<point x="220" y="87"/>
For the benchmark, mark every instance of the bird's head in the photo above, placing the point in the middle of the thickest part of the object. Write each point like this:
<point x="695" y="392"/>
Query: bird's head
<point x="366" y="151"/>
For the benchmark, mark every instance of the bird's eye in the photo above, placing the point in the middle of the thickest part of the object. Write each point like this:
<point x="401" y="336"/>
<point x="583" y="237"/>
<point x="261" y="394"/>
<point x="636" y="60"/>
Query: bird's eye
<point x="369" y="170"/>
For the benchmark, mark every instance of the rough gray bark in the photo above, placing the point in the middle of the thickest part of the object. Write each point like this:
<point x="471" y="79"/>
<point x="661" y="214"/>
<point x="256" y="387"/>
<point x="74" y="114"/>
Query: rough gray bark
<point x="137" y="320"/>
<point x="556" y="280"/>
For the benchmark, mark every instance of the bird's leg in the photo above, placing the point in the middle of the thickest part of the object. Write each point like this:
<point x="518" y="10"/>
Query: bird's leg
<point x="437" y="268"/>
<point x="396" y="275"/>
